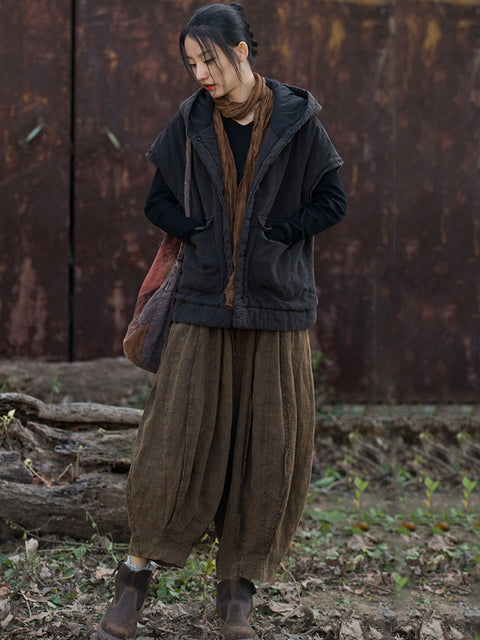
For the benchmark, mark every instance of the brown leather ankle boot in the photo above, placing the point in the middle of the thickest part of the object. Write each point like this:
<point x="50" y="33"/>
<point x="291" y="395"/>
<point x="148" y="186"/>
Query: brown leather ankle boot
<point x="235" y="606"/>
<point x="120" y="619"/>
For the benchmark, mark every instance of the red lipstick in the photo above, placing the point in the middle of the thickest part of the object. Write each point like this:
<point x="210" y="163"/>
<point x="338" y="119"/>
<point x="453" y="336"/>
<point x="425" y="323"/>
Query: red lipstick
<point x="209" y="87"/>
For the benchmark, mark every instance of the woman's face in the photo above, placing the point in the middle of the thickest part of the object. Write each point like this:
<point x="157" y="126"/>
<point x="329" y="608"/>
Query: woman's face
<point x="213" y="70"/>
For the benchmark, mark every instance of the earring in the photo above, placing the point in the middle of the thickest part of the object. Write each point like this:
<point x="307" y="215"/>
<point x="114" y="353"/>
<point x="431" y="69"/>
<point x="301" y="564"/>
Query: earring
<point x="242" y="67"/>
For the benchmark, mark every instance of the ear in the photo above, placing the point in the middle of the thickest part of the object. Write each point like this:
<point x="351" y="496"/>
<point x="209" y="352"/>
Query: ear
<point x="242" y="51"/>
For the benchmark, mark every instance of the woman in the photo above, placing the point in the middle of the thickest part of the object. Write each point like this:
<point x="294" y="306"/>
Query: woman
<point x="227" y="434"/>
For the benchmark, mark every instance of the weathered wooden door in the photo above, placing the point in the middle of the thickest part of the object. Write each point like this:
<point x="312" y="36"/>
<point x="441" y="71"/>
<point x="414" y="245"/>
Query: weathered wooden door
<point x="35" y="166"/>
<point x="89" y="84"/>
<point x="128" y="83"/>
<point x="88" y="87"/>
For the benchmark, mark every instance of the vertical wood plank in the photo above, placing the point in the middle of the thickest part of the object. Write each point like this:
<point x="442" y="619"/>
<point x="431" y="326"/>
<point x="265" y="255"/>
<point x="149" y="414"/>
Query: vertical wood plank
<point x="343" y="52"/>
<point x="34" y="179"/>
<point x="434" y="290"/>
<point x="129" y="83"/>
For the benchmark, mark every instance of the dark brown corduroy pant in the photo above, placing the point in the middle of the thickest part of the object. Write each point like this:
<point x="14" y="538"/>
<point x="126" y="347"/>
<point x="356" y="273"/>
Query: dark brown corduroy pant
<point x="227" y="436"/>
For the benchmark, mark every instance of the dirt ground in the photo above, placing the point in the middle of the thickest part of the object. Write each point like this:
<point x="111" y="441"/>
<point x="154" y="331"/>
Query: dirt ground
<point x="388" y="547"/>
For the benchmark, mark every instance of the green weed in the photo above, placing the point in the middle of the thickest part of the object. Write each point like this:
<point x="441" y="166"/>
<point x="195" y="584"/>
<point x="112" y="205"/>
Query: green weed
<point x="330" y="478"/>
<point x="55" y="388"/>
<point x="139" y="399"/>
<point x="174" y="585"/>
<point x="9" y="383"/>
<point x="4" y="425"/>
<point x="431" y="486"/>
<point x="468" y="487"/>
<point x="360" y="485"/>
<point x="400" y="583"/>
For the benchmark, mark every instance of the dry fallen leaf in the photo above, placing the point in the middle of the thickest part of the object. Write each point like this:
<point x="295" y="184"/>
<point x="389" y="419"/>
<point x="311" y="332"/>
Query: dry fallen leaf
<point x="7" y="621"/>
<point x="45" y="573"/>
<point x="102" y="572"/>
<point x="32" y="597"/>
<point x="281" y="607"/>
<point x="432" y="630"/>
<point x="351" y="630"/>
<point x="439" y="542"/>
<point x="373" y="634"/>
<point x="186" y="610"/>
<point x="4" y="609"/>
<point x="286" y="610"/>
<point x="31" y="548"/>
<point x="358" y="542"/>
<point x="38" y="616"/>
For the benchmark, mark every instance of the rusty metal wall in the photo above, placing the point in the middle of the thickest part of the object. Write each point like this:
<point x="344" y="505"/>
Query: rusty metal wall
<point x="128" y="82"/>
<point x="398" y="281"/>
<point x="34" y="178"/>
<point x="344" y="52"/>
<point x="431" y="282"/>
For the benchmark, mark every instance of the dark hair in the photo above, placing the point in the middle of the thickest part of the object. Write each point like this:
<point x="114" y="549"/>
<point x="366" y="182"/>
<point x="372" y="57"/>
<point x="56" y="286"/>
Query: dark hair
<point x="219" y="25"/>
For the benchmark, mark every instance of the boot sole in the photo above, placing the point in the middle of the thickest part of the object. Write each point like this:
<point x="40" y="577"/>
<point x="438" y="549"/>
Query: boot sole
<point x="103" y="635"/>
<point x="226" y="635"/>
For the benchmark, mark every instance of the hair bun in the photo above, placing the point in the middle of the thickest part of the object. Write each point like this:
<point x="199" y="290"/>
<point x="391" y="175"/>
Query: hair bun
<point x="238" y="7"/>
<point x="252" y="43"/>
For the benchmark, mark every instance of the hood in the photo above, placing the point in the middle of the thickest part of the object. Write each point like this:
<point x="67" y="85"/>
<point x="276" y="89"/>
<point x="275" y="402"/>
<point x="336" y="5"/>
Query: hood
<point x="292" y="107"/>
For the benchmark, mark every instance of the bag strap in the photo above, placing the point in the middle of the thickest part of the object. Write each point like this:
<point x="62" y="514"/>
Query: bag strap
<point x="188" y="174"/>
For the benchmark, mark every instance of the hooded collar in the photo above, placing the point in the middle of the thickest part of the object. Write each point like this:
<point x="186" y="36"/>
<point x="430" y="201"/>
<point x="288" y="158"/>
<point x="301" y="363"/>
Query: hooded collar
<point x="292" y="107"/>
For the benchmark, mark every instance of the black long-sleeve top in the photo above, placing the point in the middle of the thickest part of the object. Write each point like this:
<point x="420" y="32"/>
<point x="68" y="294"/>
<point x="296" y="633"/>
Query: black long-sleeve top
<point x="328" y="199"/>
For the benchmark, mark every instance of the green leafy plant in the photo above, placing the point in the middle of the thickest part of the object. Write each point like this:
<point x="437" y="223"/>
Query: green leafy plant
<point x="139" y="399"/>
<point x="468" y="487"/>
<point x="430" y="487"/>
<point x="400" y="583"/>
<point x="9" y="383"/>
<point x="330" y="478"/>
<point x="360" y="486"/>
<point x="56" y="387"/>
<point x="199" y="570"/>
<point x="5" y="423"/>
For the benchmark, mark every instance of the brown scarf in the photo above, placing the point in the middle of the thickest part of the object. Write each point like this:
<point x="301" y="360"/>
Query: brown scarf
<point x="236" y="196"/>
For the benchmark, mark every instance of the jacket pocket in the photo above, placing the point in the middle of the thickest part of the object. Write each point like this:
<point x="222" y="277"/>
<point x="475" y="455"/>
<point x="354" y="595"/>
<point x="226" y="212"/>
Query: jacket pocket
<point x="201" y="272"/>
<point x="281" y="274"/>
<point x="201" y="229"/>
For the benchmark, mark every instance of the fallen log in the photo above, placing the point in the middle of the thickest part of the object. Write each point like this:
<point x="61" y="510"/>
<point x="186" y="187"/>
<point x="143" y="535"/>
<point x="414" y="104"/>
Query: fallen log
<point x="53" y="449"/>
<point x="67" y="510"/>
<point x="70" y="414"/>
<point x="64" y="467"/>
